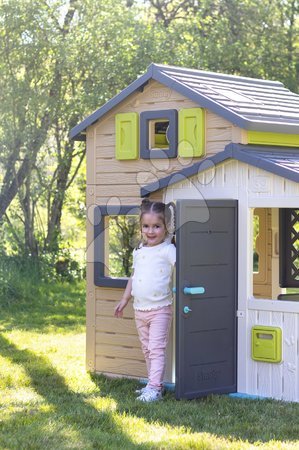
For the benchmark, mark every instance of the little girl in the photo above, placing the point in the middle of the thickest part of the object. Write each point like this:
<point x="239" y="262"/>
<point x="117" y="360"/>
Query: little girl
<point x="150" y="285"/>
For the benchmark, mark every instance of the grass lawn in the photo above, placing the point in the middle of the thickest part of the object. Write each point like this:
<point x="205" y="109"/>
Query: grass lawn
<point x="48" y="401"/>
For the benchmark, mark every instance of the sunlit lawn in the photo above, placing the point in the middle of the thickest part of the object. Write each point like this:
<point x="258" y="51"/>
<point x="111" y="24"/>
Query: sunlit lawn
<point x="48" y="401"/>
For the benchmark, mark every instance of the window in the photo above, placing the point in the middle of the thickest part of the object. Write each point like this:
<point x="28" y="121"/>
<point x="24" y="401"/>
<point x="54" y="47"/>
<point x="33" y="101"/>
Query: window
<point x="275" y="252"/>
<point x="116" y="234"/>
<point x="289" y="244"/>
<point x="158" y="134"/>
<point x="256" y="230"/>
<point x="262" y="252"/>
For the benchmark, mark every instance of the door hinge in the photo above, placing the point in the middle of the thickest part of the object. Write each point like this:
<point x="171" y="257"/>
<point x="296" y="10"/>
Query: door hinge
<point x="241" y="314"/>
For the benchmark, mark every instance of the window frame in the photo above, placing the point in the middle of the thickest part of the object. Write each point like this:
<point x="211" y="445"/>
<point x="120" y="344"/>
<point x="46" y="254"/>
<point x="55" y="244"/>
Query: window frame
<point x="167" y="114"/>
<point x="100" y="213"/>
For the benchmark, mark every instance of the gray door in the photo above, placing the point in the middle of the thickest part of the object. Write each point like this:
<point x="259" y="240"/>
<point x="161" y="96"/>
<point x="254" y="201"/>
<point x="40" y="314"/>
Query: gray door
<point x="206" y="318"/>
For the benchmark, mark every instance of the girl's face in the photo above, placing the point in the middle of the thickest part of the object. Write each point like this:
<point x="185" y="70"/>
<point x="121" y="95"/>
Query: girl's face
<point x="153" y="229"/>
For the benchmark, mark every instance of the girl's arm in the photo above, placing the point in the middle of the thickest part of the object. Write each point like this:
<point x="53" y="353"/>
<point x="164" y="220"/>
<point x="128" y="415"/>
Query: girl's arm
<point x="118" y="312"/>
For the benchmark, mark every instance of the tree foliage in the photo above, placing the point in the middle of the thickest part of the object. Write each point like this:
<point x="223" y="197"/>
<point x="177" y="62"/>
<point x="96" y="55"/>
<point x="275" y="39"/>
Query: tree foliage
<point x="62" y="59"/>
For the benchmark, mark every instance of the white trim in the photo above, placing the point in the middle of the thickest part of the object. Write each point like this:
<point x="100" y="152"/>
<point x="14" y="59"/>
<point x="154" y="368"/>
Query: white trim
<point x="273" y="305"/>
<point x="277" y="202"/>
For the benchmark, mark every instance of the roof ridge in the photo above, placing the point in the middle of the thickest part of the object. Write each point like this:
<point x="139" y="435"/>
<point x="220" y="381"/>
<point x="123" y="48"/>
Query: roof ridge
<point x="206" y="73"/>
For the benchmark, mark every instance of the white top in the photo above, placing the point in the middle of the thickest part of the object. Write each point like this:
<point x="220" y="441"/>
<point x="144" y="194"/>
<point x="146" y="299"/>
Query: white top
<point x="151" y="281"/>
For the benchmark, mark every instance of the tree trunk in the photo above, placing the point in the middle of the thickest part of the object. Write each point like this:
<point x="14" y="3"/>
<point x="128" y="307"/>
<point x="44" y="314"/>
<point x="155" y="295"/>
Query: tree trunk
<point x="54" y="219"/>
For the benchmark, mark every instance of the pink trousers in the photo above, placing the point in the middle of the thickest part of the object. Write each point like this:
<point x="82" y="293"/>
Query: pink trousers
<point x="153" y="330"/>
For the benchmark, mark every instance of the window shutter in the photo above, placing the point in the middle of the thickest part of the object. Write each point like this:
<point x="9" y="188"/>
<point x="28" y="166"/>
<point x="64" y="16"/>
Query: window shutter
<point x="127" y="135"/>
<point x="192" y="132"/>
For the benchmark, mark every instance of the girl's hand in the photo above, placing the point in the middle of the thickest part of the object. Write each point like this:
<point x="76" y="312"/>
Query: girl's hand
<point x="118" y="311"/>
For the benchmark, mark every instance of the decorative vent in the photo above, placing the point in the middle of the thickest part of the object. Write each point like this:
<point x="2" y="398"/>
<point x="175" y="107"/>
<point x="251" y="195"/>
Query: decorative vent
<point x="289" y="247"/>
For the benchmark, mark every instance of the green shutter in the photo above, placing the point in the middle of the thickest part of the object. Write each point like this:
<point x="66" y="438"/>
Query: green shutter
<point x="127" y="135"/>
<point x="191" y="132"/>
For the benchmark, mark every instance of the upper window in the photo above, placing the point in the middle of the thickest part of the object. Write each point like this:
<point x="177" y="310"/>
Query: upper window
<point x="158" y="130"/>
<point x="159" y="134"/>
<point x="116" y="234"/>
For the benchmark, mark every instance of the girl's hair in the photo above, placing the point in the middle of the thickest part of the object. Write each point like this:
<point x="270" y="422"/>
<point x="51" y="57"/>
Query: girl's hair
<point x="166" y="213"/>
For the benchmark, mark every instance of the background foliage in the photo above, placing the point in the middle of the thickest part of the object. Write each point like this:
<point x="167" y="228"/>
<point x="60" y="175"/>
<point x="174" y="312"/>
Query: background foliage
<point x="62" y="59"/>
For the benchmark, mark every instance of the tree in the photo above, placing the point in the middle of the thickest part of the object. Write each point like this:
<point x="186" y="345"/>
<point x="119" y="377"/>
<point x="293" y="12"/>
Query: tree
<point x="62" y="59"/>
<point x="56" y="67"/>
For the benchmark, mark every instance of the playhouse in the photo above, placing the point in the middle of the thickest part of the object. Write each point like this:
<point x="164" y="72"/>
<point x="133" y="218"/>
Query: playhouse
<point x="225" y="149"/>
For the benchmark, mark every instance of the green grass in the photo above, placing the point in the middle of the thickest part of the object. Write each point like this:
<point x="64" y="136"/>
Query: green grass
<point x="49" y="401"/>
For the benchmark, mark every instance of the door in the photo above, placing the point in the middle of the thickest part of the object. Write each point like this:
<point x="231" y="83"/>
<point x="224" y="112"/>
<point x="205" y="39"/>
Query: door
<point x="206" y="291"/>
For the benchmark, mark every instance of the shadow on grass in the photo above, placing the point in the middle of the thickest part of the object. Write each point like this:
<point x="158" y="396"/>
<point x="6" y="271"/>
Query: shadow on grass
<point x="59" y="306"/>
<point x="222" y="416"/>
<point x="69" y="411"/>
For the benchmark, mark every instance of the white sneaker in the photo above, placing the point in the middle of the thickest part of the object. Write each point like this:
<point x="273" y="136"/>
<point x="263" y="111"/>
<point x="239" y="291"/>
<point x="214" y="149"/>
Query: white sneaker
<point x="150" y="395"/>
<point x="141" y="390"/>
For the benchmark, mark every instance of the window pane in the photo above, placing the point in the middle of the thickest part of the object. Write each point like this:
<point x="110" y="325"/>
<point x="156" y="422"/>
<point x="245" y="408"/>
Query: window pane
<point x="123" y="235"/>
<point x="158" y="134"/>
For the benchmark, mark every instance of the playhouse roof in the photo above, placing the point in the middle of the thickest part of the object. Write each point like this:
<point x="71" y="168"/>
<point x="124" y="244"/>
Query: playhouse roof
<point x="249" y="103"/>
<point x="281" y="161"/>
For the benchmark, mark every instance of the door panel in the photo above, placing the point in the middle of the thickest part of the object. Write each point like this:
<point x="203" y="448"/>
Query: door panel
<point x="206" y="333"/>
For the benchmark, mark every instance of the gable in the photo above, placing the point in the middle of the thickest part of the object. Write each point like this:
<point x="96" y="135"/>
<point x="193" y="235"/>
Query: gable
<point x="283" y="162"/>
<point x="123" y="176"/>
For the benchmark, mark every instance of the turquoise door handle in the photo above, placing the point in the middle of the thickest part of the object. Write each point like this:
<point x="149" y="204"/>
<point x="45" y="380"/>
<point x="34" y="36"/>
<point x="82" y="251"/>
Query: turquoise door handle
<point x="194" y="290"/>
<point x="186" y="309"/>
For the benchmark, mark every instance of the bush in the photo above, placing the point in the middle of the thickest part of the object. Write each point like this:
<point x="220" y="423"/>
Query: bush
<point x="21" y="277"/>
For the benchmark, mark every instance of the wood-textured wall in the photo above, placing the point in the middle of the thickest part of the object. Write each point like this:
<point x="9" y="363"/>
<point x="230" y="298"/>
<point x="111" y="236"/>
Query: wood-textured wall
<point x="112" y="344"/>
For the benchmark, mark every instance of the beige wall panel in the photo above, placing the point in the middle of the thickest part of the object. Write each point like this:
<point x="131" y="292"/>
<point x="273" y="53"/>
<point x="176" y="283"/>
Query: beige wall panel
<point x="262" y="291"/>
<point x="90" y="231"/>
<point x="108" y="324"/>
<point x="90" y="293"/>
<point x="127" y="178"/>
<point x="239" y="135"/>
<point x="105" y="152"/>
<point x="90" y="198"/>
<point x="157" y="106"/>
<point x="106" y="308"/>
<point x="219" y="134"/>
<point x="119" y="352"/>
<point x="118" y="339"/>
<point x="115" y="201"/>
<point x="157" y="196"/>
<point x="108" y="293"/>
<point x="215" y="147"/>
<point x="106" y="140"/>
<point x="90" y="319"/>
<point x="106" y="127"/>
<point x="120" y="366"/>
<point x="90" y="152"/>
<point x="215" y="121"/>
<point x="139" y="165"/>
<point x="131" y="190"/>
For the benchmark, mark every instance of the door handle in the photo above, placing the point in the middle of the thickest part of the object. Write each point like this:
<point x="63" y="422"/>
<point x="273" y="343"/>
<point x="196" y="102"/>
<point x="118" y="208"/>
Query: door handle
<point x="194" y="290"/>
<point x="186" y="309"/>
